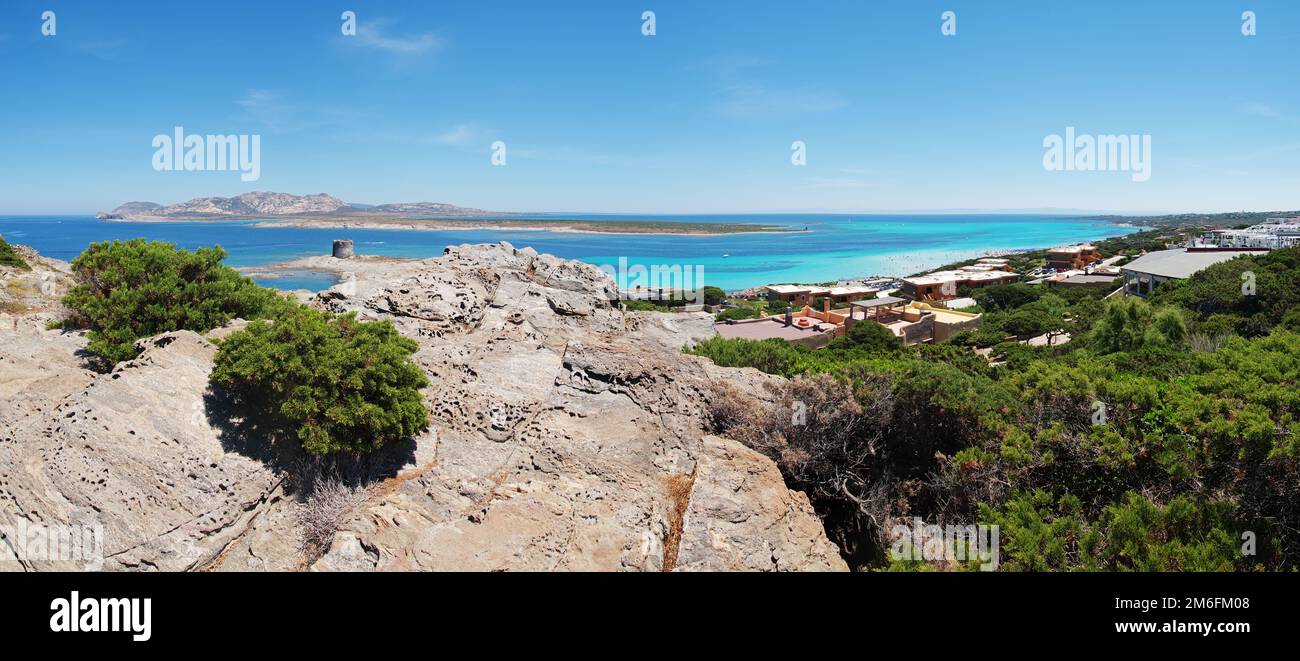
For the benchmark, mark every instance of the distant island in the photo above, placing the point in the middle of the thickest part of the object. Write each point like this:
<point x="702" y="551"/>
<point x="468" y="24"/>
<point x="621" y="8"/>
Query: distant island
<point x="321" y="210"/>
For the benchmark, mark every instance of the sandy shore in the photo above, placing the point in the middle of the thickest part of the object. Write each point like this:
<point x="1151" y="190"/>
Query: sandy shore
<point x="648" y="227"/>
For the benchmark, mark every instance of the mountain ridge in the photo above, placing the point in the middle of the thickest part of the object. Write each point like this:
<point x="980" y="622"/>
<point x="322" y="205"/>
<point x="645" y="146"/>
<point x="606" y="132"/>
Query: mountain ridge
<point x="275" y="204"/>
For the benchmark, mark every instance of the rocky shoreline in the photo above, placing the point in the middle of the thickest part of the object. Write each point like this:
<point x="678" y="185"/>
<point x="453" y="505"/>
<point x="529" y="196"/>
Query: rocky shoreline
<point x="565" y="435"/>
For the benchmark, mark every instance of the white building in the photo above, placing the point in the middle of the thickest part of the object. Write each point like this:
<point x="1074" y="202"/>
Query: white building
<point x="1272" y="234"/>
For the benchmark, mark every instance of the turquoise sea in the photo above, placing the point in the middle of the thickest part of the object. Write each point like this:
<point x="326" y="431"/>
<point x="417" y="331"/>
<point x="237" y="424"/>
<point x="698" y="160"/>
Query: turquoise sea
<point x="835" y="246"/>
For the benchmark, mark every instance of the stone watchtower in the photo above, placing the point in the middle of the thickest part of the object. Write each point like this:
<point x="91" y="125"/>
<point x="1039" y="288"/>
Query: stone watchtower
<point x="343" y="249"/>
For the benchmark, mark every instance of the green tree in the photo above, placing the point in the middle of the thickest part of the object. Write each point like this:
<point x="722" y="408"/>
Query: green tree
<point x="128" y="290"/>
<point x="714" y="295"/>
<point x="1254" y="291"/>
<point x="335" y="383"/>
<point x="1006" y="297"/>
<point x="1130" y="324"/>
<point x="868" y="337"/>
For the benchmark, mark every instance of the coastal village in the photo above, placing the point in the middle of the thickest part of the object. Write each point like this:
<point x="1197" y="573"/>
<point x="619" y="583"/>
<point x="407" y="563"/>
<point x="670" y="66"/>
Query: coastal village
<point x="931" y="307"/>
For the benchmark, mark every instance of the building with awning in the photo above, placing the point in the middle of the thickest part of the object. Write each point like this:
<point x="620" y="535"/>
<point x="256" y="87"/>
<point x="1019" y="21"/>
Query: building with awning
<point x="1143" y="275"/>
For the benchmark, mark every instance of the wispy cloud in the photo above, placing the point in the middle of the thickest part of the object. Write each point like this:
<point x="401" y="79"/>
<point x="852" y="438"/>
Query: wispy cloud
<point x="842" y="183"/>
<point x="464" y="134"/>
<point x="579" y="155"/>
<point x="275" y="111"/>
<point x="1266" y="152"/>
<point x="1258" y="109"/>
<point x="743" y="94"/>
<point x="104" y="49"/>
<point x="860" y="172"/>
<point x="749" y="99"/>
<point x="375" y="34"/>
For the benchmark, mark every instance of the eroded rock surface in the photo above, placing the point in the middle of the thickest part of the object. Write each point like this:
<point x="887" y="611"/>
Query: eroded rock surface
<point x="565" y="434"/>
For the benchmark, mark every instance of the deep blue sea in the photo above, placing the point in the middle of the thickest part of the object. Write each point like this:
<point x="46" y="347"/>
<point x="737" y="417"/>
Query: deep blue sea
<point x="836" y="246"/>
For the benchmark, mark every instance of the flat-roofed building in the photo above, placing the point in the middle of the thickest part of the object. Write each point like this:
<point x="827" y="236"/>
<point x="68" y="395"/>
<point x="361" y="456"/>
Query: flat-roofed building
<point x="1064" y="258"/>
<point x="1272" y="234"/>
<point x="1143" y="275"/>
<point x="1083" y="279"/>
<point x="796" y="295"/>
<point x="943" y="285"/>
<point x="800" y="295"/>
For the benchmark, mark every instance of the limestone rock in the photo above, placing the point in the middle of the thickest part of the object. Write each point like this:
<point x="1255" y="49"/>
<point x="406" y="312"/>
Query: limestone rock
<point x="565" y="435"/>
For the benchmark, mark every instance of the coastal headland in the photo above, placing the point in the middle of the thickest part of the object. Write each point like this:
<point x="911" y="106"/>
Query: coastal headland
<point x="325" y="211"/>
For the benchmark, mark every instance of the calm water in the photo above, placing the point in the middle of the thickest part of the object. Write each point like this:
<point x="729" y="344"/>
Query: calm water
<point x="837" y="246"/>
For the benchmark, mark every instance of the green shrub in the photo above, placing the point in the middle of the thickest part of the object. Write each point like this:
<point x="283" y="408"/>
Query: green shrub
<point x="1042" y="533"/>
<point x="714" y="295"/>
<point x="867" y="337"/>
<point x="1006" y="297"/>
<point x="9" y="257"/>
<point x="637" y="305"/>
<point x="128" y="290"/>
<point x="1221" y="289"/>
<point x="738" y="313"/>
<point x="1130" y="324"/>
<point x="337" y="384"/>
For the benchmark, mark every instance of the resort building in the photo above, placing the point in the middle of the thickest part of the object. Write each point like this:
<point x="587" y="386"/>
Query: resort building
<point x="1083" y="279"/>
<point x="800" y="295"/>
<point x="943" y="285"/>
<point x="1143" y="275"/>
<point x="911" y="321"/>
<point x="1272" y="234"/>
<point x="1065" y="258"/>
<point x="803" y="326"/>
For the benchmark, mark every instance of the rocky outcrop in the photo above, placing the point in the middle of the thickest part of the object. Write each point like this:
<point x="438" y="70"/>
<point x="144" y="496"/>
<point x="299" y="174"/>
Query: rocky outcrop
<point x="255" y="203"/>
<point x="266" y="204"/>
<point x="565" y="435"/>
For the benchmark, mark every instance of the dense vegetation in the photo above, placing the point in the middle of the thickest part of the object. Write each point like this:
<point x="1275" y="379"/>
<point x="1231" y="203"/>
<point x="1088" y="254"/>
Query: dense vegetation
<point x="1162" y="436"/>
<point x="1128" y="245"/>
<point x="9" y="257"/>
<point x="334" y="383"/>
<point x="676" y="299"/>
<point x="128" y="290"/>
<point x="1231" y="218"/>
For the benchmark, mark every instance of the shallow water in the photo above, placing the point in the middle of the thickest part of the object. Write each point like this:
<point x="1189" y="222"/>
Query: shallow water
<point x="834" y="247"/>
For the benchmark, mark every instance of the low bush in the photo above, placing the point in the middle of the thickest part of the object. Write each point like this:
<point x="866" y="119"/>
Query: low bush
<point x="128" y="290"/>
<point x="335" y="383"/>
<point x="10" y="257"/>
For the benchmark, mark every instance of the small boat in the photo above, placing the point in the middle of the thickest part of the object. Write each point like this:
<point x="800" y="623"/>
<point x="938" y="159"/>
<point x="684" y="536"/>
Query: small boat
<point x="726" y="255"/>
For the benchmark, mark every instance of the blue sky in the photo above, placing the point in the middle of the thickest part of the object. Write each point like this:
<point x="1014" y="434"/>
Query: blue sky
<point x="698" y="118"/>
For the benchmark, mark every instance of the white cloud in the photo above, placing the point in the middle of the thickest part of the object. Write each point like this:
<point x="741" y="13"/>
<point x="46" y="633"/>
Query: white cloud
<point x="1261" y="110"/>
<point x="742" y="95"/>
<point x="375" y="34"/>
<point x="463" y="134"/>
<point x="741" y="100"/>
<point x="275" y="112"/>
